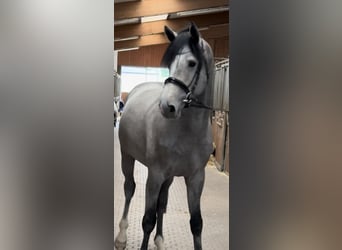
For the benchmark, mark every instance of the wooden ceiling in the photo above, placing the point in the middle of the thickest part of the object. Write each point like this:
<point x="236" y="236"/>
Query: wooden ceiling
<point x="130" y="30"/>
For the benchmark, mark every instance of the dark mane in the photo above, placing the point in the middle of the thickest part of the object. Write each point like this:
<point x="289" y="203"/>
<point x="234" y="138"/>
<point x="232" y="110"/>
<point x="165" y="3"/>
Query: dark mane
<point x="182" y="39"/>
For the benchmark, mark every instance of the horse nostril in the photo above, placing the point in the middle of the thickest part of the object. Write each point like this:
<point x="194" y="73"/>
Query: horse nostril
<point x="172" y="108"/>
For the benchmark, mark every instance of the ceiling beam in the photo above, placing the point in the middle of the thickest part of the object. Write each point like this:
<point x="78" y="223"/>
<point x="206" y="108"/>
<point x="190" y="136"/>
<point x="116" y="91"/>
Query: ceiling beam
<point x="141" y="42"/>
<point x="151" y="28"/>
<point x="155" y="7"/>
<point x="212" y="32"/>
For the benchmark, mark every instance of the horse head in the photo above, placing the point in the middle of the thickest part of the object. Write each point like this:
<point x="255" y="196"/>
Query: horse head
<point x="190" y="62"/>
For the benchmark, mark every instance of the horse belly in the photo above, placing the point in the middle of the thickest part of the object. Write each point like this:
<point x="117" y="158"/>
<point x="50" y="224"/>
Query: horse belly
<point x="175" y="162"/>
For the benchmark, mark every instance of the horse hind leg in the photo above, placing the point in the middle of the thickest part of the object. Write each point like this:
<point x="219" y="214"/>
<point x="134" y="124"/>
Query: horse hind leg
<point x="161" y="209"/>
<point x="127" y="165"/>
<point x="153" y="186"/>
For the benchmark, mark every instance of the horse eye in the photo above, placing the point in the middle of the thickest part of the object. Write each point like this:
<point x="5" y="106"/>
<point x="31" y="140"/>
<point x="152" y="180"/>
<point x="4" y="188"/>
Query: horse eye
<point x="192" y="63"/>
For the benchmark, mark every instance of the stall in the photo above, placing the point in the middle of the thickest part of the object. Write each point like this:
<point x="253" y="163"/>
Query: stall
<point x="220" y="119"/>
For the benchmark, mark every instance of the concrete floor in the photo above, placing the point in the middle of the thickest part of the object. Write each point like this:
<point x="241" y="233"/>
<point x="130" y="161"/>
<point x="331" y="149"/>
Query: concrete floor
<point x="177" y="234"/>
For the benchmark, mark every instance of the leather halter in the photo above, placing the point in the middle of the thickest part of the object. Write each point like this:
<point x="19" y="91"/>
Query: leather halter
<point x="190" y="100"/>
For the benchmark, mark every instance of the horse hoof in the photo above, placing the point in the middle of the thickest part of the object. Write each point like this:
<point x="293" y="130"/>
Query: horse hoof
<point x="159" y="242"/>
<point x="120" y="245"/>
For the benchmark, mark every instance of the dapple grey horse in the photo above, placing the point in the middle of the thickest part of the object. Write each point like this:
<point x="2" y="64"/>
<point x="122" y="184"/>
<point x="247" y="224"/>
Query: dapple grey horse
<point x="166" y="126"/>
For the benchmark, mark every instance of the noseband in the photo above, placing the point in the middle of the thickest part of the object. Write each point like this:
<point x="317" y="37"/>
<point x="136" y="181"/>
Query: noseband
<point x="190" y="100"/>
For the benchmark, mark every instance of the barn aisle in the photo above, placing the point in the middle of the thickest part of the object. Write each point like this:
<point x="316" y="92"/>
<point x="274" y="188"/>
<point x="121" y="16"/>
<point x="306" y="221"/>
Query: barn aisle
<point x="177" y="234"/>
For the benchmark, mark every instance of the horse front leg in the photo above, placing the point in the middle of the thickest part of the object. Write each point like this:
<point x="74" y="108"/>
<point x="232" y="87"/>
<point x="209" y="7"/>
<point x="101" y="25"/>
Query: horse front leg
<point x="153" y="186"/>
<point x="161" y="209"/>
<point x="194" y="185"/>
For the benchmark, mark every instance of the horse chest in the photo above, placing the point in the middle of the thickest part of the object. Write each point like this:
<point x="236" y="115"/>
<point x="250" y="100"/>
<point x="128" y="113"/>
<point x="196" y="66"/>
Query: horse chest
<point x="180" y="155"/>
<point x="179" y="144"/>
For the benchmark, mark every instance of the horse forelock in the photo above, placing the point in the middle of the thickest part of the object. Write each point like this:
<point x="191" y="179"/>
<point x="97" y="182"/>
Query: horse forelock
<point x="175" y="47"/>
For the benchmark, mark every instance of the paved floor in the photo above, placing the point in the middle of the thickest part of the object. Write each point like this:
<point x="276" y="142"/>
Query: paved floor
<point x="177" y="234"/>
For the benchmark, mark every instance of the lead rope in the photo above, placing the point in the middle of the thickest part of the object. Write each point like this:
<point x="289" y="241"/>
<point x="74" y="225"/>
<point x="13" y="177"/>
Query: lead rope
<point x="194" y="102"/>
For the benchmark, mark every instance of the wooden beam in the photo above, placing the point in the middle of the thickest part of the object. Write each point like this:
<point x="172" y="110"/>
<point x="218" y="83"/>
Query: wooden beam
<point x="142" y="41"/>
<point x="156" y="7"/>
<point x="151" y="28"/>
<point x="212" y="32"/>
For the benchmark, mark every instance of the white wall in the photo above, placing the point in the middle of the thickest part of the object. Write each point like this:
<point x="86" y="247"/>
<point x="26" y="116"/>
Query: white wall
<point x="115" y="60"/>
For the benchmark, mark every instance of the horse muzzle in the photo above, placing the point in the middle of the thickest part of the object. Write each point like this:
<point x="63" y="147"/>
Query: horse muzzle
<point x="169" y="110"/>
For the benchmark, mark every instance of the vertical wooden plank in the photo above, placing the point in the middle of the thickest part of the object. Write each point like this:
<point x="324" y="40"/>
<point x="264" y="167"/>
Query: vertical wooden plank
<point x="221" y="47"/>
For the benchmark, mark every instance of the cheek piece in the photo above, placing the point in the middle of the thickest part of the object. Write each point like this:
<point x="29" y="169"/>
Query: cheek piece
<point x="190" y="100"/>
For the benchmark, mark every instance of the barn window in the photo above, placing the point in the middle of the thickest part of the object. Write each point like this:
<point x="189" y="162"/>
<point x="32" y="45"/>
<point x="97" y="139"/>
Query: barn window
<point x="132" y="76"/>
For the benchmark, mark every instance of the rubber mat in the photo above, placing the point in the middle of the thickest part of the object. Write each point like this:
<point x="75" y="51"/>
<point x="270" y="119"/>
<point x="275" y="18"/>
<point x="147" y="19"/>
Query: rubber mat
<point x="176" y="227"/>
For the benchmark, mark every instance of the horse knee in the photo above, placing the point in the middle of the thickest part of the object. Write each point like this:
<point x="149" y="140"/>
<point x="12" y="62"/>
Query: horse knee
<point x="129" y="187"/>
<point x="196" y="223"/>
<point x="149" y="221"/>
<point x="162" y="204"/>
<point x="161" y="210"/>
<point x="163" y="197"/>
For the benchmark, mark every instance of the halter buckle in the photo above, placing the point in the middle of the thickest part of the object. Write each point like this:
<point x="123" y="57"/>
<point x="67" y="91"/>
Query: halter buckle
<point x="188" y="99"/>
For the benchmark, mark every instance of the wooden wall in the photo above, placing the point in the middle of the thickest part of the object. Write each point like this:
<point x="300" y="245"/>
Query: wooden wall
<point x="220" y="47"/>
<point x="150" y="56"/>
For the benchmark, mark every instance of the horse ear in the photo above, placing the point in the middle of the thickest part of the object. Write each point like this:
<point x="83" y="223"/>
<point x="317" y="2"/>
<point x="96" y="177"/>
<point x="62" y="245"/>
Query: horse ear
<point x="171" y="35"/>
<point x="194" y="32"/>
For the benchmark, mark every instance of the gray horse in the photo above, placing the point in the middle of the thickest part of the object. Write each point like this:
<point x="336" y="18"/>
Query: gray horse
<point x="167" y="128"/>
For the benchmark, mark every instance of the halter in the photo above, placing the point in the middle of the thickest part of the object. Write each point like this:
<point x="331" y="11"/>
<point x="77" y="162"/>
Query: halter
<point x="190" y="100"/>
